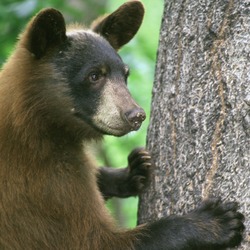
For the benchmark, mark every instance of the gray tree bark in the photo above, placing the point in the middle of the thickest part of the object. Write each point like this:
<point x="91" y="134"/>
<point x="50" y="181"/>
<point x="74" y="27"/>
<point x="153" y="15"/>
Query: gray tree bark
<point x="199" y="132"/>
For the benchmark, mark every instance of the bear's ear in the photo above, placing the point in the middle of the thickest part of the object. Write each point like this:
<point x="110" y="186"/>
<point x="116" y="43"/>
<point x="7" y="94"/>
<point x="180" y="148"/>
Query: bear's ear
<point x="46" y="30"/>
<point x="120" y="26"/>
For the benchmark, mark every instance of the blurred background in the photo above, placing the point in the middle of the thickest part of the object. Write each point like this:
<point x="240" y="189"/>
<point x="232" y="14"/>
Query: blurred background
<point x="139" y="54"/>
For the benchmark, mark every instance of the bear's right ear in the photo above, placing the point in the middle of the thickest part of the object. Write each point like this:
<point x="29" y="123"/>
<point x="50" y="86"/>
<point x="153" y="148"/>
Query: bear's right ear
<point x="46" y="30"/>
<point x="120" y="26"/>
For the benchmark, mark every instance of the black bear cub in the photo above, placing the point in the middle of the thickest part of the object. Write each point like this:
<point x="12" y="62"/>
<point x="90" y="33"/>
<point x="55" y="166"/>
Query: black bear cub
<point x="59" y="90"/>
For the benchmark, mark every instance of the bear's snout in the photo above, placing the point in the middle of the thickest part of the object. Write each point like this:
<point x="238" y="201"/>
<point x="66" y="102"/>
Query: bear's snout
<point x="135" y="117"/>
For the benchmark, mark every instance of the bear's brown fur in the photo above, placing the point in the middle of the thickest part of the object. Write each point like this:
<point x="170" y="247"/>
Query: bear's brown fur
<point x="49" y="195"/>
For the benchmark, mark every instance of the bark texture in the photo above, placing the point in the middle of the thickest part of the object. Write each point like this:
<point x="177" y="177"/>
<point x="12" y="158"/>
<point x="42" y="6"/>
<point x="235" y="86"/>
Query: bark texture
<point x="199" y="132"/>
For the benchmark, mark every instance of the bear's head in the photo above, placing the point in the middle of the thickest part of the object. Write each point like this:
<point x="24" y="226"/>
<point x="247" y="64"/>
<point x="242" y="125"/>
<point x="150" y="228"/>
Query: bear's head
<point x="90" y="69"/>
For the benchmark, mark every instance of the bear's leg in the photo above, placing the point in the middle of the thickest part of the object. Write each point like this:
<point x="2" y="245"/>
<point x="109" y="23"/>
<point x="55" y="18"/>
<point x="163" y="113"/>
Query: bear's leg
<point x="129" y="181"/>
<point x="213" y="226"/>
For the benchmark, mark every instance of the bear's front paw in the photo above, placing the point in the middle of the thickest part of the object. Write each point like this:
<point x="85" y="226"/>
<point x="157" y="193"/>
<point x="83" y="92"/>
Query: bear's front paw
<point x="223" y="221"/>
<point x="139" y="168"/>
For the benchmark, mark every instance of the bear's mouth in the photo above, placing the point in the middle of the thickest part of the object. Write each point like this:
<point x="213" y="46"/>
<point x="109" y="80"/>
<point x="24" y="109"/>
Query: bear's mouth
<point x="115" y="130"/>
<point x="116" y="127"/>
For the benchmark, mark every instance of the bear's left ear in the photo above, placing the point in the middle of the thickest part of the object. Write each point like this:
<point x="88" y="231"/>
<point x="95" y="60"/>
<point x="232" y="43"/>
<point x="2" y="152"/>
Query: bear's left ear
<point x="120" y="26"/>
<point x="46" y="30"/>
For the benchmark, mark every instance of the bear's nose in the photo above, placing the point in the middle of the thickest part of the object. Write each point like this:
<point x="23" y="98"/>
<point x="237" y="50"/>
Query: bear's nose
<point x="135" y="117"/>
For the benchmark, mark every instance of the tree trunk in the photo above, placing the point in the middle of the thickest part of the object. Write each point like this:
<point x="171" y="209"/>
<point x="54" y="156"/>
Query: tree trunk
<point x="199" y="132"/>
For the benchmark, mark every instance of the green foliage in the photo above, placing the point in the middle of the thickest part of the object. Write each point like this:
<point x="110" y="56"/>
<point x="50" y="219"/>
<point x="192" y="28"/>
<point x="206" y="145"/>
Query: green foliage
<point x="139" y="54"/>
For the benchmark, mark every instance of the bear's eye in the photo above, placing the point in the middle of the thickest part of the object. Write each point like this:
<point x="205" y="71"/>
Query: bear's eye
<point x="94" y="76"/>
<point x="127" y="72"/>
